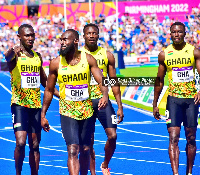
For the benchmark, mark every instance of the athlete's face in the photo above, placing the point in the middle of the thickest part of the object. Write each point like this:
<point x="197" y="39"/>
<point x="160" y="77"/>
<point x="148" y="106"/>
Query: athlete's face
<point x="67" y="43"/>
<point x="177" y="34"/>
<point x="27" y="37"/>
<point x="91" y="36"/>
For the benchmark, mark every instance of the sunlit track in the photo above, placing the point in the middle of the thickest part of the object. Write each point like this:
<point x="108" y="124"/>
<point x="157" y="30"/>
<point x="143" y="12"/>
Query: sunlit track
<point x="142" y="142"/>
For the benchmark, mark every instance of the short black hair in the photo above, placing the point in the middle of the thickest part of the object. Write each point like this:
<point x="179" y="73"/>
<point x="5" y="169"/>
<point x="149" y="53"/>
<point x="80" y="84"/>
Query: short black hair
<point x="24" y="26"/>
<point x="74" y="32"/>
<point x="90" y="25"/>
<point x="177" y="23"/>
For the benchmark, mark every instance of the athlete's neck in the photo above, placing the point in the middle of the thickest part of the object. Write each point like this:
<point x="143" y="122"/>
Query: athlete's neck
<point x="27" y="51"/>
<point x="91" y="48"/>
<point x="179" y="46"/>
<point x="72" y="56"/>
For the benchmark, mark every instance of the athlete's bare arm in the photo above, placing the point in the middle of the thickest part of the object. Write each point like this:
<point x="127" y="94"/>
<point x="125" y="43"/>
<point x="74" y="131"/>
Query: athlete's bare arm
<point x="115" y="89"/>
<point x="49" y="91"/>
<point x="11" y="56"/>
<point x="98" y="77"/>
<point x="13" y="52"/>
<point x="160" y="80"/>
<point x="197" y="60"/>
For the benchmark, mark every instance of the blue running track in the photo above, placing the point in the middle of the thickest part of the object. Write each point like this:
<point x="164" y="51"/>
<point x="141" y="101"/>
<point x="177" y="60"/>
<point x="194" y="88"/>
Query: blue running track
<point x="142" y="144"/>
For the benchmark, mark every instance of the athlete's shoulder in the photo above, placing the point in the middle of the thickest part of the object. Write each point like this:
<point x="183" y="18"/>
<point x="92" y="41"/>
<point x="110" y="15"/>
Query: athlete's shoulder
<point x="55" y="60"/>
<point x="189" y="46"/>
<point x="169" y="48"/>
<point x="161" y="57"/>
<point x="82" y="49"/>
<point x="37" y="53"/>
<point x="101" y="49"/>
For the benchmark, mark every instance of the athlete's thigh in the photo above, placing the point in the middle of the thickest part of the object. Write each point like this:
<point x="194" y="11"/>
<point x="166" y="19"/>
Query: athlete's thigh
<point x="191" y="114"/>
<point x="174" y="112"/>
<point x="87" y="128"/>
<point x="34" y="121"/>
<point x="107" y="116"/>
<point x="70" y="130"/>
<point x="19" y="118"/>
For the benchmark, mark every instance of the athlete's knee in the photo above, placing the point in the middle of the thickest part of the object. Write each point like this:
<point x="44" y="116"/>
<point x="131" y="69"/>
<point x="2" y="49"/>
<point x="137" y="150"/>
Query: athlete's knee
<point x="174" y="140"/>
<point x="112" y="136"/>
<point x="191" y="140"/>
<point x="85" y="150"/>
<point x="34" y="147"/>
<point x="20" y="145"/>
<point x="73" y="150"/>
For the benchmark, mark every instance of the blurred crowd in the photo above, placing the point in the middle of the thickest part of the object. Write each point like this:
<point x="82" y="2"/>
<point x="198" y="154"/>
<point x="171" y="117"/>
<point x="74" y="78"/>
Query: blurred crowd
<point x="146" y="36"/>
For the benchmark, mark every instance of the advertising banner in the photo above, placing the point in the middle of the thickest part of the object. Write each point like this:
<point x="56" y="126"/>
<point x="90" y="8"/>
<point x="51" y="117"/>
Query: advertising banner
<point x="171" y="9"/>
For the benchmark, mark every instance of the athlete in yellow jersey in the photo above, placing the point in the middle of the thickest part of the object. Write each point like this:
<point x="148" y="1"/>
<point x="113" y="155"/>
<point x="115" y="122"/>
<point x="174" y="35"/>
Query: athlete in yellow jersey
<point x="25" y="66"/>
<point x="107" y="117"/>
<point x="72" y="69"/>
<point x="179" y="60"/>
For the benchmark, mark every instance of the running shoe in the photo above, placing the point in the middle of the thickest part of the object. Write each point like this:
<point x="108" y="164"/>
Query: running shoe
<point x="105" y="171"/>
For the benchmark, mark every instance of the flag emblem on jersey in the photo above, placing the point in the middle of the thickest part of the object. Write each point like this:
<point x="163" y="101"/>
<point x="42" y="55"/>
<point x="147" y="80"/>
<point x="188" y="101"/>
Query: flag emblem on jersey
<point x="16" y="125"/>
<point x="23" y="58"/>
<point x="64" y="67"/>
<point x="170" y="52"/>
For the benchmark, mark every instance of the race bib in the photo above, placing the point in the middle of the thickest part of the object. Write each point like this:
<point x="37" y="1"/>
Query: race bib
<point x="76" y="93"/>
<point x="93" y="81"/>
<point x="30" y="80"/>
<point x="183" y="74"/>
<point x="114" y="119"/>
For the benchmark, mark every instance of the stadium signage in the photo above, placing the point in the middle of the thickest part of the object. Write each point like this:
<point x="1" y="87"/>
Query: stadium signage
<point x="157" y="8"/>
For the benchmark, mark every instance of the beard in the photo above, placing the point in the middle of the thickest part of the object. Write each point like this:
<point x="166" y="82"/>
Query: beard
<point x="68" y="49"/>
<point x="92" y="44"/>
<point x="28" y="47"/>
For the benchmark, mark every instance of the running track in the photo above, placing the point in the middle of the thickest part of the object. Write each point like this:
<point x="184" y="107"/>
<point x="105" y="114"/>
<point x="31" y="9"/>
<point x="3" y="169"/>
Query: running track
<point x="142" y="144"/>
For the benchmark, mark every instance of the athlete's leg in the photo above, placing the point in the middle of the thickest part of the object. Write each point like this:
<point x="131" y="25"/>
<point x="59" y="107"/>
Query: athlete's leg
<point x="108" y="120"/>
<point x="19" y="153"/>
<point x="174" y="134"/>
<point x="92" y="157"/>
<point x="110" y="146"/>
<point x="190" y="134"/>
<point x="70" y="131"/>
<point x="84" y="159"/>
<point x="34" y="154"/>
<point x="86" y="129"/>
<point x="73" y="162"/>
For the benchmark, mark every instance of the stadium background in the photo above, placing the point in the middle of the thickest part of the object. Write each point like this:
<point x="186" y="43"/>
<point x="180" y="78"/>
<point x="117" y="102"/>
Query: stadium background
<point x="143" y="32"/>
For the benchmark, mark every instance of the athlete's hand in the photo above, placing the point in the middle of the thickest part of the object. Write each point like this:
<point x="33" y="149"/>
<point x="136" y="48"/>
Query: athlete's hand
<point x="18" y="50"/>
<point x="120" y="115"/>
<point x="197" y="98"/>
<point x="45" y="124"/>
<point x="103" y="102"/>
<point x="156" y="113"/>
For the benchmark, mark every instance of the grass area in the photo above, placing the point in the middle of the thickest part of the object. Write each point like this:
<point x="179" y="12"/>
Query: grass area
<point x="143" y="71"/>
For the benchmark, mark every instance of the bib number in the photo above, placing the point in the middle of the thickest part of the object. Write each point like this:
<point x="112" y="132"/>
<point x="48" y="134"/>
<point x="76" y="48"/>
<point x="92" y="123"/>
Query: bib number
<point x="76" y="93"/>
<point x="183" y="74"/>
<point x="30" y="80"/>
<point x="114" y="119"/>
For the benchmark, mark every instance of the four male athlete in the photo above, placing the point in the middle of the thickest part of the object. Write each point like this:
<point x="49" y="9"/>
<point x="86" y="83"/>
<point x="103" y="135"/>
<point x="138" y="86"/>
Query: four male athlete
<point x="83" y="98"/>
